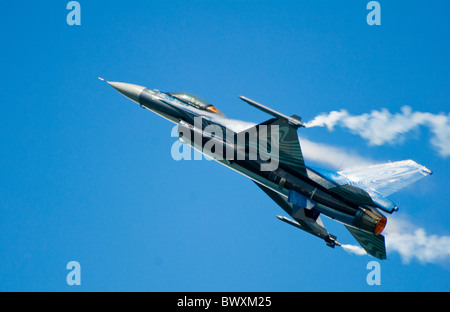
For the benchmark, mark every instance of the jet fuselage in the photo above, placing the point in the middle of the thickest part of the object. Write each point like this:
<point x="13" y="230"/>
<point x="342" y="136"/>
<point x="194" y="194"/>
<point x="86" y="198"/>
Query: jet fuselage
<point x="308" y="194"/>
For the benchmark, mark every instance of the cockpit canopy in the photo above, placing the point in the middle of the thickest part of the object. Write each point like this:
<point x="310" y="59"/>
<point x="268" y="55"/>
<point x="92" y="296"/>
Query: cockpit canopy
<point x="195" y="101"/>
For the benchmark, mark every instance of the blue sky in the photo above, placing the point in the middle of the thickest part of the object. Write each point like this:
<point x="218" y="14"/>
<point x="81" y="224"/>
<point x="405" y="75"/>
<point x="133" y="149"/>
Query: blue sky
<point x="88" y="176"/>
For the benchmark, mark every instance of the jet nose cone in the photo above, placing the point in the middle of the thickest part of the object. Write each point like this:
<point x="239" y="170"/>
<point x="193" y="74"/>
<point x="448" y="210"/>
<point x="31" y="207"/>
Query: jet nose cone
<point x="129" y="90"/>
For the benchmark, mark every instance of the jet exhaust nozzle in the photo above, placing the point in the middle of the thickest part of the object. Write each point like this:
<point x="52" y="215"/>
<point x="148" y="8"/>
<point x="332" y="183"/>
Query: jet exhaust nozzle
<point x="370" y="220"/>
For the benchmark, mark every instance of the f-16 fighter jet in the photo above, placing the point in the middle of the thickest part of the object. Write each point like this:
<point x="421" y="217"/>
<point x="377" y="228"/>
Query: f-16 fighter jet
<point x="269" y="154"/>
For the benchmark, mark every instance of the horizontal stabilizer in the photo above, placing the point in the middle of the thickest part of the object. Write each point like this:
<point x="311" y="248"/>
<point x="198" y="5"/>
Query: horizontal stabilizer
<point x="385" y="179"/>
<point x="373" y="244"/>
<point x="380" y="181"/>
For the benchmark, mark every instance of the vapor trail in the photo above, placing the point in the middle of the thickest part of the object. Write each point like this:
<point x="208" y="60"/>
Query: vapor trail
<point x="413" y="242"/>
<point x="381" y="127"/>
<point x="354" y="249"/>
<point x="332" y="156"/>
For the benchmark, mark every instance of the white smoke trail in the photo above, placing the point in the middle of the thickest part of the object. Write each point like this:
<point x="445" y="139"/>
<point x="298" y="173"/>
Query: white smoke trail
<point x="237" y="125"/>
<point x="381" y="127"/>
<point x="332" y="156"/>
<point x="413" y="242"/>
<point x="354" y="249"/>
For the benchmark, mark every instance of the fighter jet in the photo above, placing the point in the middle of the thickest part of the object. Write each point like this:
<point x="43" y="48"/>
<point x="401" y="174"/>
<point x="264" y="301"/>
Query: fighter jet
<point x="270" y="155"/>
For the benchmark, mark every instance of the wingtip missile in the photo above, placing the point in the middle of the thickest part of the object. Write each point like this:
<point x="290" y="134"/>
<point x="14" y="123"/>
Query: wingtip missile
<point x="294" y="120"/>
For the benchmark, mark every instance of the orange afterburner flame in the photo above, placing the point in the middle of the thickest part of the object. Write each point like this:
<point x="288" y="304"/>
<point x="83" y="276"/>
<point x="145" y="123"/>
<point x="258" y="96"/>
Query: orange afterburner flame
<point x="380" y="225"/>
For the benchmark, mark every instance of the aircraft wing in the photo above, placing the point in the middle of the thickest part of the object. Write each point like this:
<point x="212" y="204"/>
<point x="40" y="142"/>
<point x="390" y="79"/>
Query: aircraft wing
<point x="285" y="140"/>
<point x="385" y="179"/>
<point x="290" y="153"/>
